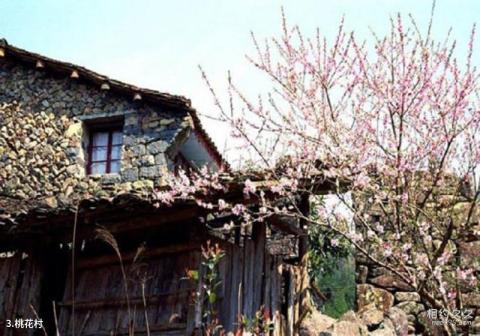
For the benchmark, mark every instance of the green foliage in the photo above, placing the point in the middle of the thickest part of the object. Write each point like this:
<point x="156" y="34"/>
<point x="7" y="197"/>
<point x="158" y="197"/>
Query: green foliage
<point x="260" y="324"/>
<point x="211" y="257"/>
<point x="332" y="269"/>
<point x="338" y="285"/>
<point x="208" y="280"/>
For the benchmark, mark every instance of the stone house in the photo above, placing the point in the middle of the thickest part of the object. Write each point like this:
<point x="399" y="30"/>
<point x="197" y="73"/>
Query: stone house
<point x="79" y="151"/>
<point x="103" y="119"/>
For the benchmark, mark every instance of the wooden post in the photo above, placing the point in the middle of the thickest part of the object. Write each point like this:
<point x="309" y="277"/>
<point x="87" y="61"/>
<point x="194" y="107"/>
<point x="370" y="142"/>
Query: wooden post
<point x="267" y="286"/>
<point x="277" y="270"/>
<point x="291" y="302"/>
<point x="259" y="237"/>
<point x="199" y="299"/>
<point x="303" y="283"/>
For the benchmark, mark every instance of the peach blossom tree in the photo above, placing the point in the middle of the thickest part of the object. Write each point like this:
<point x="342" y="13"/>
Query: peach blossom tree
<point x="395" y="121"/>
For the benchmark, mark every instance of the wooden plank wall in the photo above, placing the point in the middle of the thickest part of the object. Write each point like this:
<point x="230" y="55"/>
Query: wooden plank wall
<point x="100" y="300"/>
<point x="20" y="288"/>
<point x="9" y="272"/>
<point x="251" y="278"/>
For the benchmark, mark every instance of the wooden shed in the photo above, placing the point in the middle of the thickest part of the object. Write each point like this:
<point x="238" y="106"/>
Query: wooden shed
<point x="85" y="293"/>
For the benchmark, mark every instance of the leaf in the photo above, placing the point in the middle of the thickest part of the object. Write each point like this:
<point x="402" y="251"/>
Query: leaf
<point x="212" y="298"/>
<point x="194" y="275"/>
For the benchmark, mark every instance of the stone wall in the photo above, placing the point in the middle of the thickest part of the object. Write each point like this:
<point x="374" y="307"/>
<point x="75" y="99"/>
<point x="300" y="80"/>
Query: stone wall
<point x="42" y="132"/>
<point x="378" y="286"/>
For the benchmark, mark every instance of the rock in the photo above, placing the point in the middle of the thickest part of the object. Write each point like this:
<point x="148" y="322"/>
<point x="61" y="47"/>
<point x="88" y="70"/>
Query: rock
<point x="407" y="296"/>
<point x="351" y="324"/>
<point x="476" y="325"/>
<point x="471" y="300"/>
<point x="131" y="120"/>
<point x="430" y="328"/>
<point x="110" y="179"/>
<point x="153" y="124"/>
<point x="342" y="328"/>
<point x="75" y="129"/>
<point x="138" y="149"/>
<point x="315" y="323"/>
<point x="150" y="172"/>
<point x="147" y="160"/>
<point x="51" y="201"/>
<point x="130" y="174"/>
<point x="383" y="332"/>
<point x="166" y="122"/>
<point x="410" y="307"/>
<point x="144" y="184"/>
<point x="160" y="159"/>
<point x="399" y="320"/>
<point x="156" y="147"/>
<point x="362" y="274"/>
<point x="411" y="330"/>
<point x="390" y="282"/>
<point x="126" y="186"/>
<point x="368" y="294"/>
<point x="371" y="317"/>
<point x="101" y="193"/>
<point x="350" y="316"/>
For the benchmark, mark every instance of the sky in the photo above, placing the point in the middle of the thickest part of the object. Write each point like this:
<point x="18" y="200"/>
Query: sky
<point x="160" y="44"/>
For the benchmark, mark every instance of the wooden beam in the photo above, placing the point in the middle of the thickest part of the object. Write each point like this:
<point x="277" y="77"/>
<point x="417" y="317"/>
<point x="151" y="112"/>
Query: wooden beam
<point x="285" y="224"/>
<point x="127" y="257"/>
<point x="39" y="65"/>
<point x="2" y="52"/>
<point x="199" y="299"/>
<point x="114" y="219"/>
<point x="112" y="302"/>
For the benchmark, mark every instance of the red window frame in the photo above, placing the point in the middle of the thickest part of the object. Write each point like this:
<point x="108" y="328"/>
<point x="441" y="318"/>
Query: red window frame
<point x="108" y="161"/>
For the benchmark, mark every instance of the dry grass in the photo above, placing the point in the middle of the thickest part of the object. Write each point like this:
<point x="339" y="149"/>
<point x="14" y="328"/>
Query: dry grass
<point x="105" y="235"/>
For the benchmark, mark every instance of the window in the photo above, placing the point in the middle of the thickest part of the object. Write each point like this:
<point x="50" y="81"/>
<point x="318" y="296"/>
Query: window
<point x="104" y="151"/>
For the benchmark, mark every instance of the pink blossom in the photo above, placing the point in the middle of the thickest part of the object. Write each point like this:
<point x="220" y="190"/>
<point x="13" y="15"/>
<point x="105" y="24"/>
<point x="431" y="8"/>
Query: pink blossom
<point x="222" y="205"/>
<point x="370" y="234"/>
<point x="362" y="181"/>
<point x="444" y="258"/>
<point x="238" y="209"/>
<point x="165" y="197"/>
<point x="421" y="259"/>
<point x="379" y="228"/>
<point x="249" y="188"/>
<point x="452" y="294"/>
